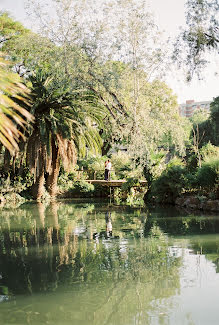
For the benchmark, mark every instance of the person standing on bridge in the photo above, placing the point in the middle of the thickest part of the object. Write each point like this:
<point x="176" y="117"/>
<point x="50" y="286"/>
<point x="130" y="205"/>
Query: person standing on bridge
<point x="108" y="167"/>
<point x="105" y="171"/>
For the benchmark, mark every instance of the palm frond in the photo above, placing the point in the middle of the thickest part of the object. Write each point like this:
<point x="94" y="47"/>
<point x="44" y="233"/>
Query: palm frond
<point x="65" y="118"/>
<point x="12" y="114"/>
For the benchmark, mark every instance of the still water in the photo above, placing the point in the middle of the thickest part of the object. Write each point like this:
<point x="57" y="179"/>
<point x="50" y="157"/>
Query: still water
<point x="94" y="263"/>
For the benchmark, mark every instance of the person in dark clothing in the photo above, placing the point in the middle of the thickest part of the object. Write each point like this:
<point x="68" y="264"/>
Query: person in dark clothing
<point x="106" y="172"/>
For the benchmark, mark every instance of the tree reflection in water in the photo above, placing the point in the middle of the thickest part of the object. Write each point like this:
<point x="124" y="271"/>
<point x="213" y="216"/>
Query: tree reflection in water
<point x="52" y="255"/>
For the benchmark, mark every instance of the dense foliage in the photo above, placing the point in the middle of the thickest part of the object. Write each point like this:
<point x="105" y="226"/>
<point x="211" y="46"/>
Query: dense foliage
<point x="96" y="92"/>
<point x="200" y="37"/>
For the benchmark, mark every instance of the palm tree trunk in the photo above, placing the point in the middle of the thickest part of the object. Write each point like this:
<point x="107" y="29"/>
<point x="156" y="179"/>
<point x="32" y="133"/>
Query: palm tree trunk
<point x="51" y="183"/>
<point x="217" y="190"/>
<point x="38" y="186"/>
<point x="14" y="162"/>
<point x="7" y="160"/>
<point x="22" y="157"/>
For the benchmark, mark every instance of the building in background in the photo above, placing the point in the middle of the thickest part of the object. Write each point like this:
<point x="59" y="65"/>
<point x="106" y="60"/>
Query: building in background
<point x="189" y="108"/>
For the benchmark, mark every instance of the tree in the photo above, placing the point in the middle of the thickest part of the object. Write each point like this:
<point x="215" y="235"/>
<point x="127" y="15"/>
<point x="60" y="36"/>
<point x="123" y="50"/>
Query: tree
<point x="198" y="132"/>
<point x="207" y="128"/>
<point x="65" y="124"/>
<point x="214" y="117"/>
<point x="32" y="51"/>
<point x="105" y="33"/>
<point x="13" y="117"/>
<point x="117" y="72"/>
<point x="155" y="122"/>
<point x="10" y="29"/>
<point x="201" y="35"/>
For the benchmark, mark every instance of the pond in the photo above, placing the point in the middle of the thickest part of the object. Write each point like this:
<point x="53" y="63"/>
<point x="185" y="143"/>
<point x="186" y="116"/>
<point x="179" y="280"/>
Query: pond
<point x="86" y="263"/>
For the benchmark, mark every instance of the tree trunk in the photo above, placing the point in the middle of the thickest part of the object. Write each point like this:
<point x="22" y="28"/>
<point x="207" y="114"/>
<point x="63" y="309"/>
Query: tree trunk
<point x="38" y="186"/>
<point x="217" y="190"/>
<point x="105" y="148"/>
<point x="22" y="157"/>
<point x="7" y="160"/>
<point x="51" y="183"/>
<point x="14" y="158"/>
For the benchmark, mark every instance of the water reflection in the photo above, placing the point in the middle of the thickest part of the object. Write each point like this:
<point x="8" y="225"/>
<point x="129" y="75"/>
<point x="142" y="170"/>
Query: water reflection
<point x="108" y="232"/>
<point x="96" y="264"/>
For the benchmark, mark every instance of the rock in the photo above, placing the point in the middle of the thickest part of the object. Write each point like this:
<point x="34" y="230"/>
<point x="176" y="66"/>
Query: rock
<point x="202" y="203"/>
<point x="192" y="202"/>
<point x="211" y="205"/>
<point x="180" y="201"/>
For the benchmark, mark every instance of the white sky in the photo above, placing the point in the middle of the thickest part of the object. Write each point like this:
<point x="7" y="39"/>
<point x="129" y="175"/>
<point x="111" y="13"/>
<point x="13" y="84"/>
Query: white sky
<point x="169" y="15"/>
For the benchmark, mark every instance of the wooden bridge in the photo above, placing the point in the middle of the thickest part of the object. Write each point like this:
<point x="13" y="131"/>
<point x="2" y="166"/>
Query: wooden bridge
<point x="112" y="183"/>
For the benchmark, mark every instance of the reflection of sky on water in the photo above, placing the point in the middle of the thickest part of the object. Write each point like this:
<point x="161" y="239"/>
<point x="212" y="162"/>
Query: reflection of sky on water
<point x="123" y="246"/>
<point x="79" y="230"/>
<point x="3" y="298"/>
<point x="199" y="290"/>
<point x="198" y="296"/>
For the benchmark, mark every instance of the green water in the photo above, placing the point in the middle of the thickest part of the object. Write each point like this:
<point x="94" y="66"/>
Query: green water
<point x="95" y="263"/>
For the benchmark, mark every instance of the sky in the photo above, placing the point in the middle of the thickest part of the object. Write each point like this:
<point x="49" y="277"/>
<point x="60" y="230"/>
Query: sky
<point x="169" y="16"/>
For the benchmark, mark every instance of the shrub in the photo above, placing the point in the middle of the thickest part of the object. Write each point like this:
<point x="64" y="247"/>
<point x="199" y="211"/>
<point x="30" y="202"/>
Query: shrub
<point x="175" y="161"/>
<point x="209" y="151"/>
<point x="169" y="185"/>
<point x="130" y="182"/>
<point x="132" y="192"/>
<point x="11" y="181"/>
<point x="93" y="165"/>
<point x="154" y="166"/>
<point x="66" y="180"/>
<point x="191" y="181"/>
<point x="121" y="164"/>
<point x="14" y="198"/>
<point x="82" y="188"/>
<point x="192" y="162"/>
<point x="208" y="174"/>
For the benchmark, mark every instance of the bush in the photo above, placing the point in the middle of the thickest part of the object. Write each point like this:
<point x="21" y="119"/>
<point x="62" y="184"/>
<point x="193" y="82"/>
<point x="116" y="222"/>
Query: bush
<point x="169" y="185"/>
<point x="14" y="198"/>
<point x="130" y="182"/>
<point x="191" y="181"/>
<point x="208" y="174"/>
<point x="154" y="166"/>
<point x="82" y="188"/>
<point x="191" y="162"/>
<point x="209" y="150"/>
<point x="175" y="161"/>
<point x="121" y="164"/>
<point x="13" y="182"/>
<point x="93" y="165"/>
<point x="66" y="180"/>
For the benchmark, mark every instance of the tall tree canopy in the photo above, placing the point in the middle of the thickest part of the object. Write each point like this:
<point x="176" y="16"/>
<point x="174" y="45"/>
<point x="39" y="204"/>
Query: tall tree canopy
<point x="115" y="49"/>
<point x="9" y="28"/>
<point x="64" y="120"/>
<point x="201" y="35"/>
<point x="112" y="57"/>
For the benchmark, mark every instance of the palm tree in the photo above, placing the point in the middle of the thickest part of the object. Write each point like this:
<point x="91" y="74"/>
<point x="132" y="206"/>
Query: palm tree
<point x="64" y="126"/>
<point x="13" y="117"/>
